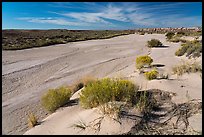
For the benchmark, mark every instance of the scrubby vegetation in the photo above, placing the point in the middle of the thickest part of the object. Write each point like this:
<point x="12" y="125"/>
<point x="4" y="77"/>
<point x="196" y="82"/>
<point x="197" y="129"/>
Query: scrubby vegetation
<point x="32" y="120"/>
<point x="83" y="82"/>
<point x="187" y="67"/>
<point x="142" y="33"/>
<point x="141" y="61"/>
<point x="107" y="90"/>
<point x="22" y="39"/>
<point x="177" y="37"/>
<point x="150" y="75"/>
<point x="193" y="48"/>
<point x="169" y="35"/>
<point x="154" y="43"/>
<point x="55" y="98"/>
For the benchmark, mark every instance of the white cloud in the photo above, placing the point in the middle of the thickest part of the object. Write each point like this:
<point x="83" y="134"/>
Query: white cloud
<point x="87" y="17"/>
<point x="57" y="21"/>
<point x="101" y="15"/>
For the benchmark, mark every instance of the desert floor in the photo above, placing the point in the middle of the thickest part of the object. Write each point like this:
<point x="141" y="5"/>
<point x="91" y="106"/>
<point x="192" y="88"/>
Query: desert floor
<point x="27" y="74"/>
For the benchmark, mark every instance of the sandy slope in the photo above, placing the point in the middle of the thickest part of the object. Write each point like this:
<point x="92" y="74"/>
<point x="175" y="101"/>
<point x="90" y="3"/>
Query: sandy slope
<point x="27" y="74"/>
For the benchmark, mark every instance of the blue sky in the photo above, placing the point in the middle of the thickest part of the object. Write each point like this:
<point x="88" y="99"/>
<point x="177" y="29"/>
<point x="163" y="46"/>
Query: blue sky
<point x="100" y="15"/>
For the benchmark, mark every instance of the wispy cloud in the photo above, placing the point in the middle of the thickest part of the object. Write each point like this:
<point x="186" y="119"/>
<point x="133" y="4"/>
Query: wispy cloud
<point x="109" y="12"/>
<point x="49" y="20"/>
<point x="132" y="13"/>
<point x="117" y="14"/>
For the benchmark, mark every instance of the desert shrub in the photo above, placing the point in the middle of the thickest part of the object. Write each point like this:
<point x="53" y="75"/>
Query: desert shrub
<point x="187" y="67"/>
<point x="154" y="43"/>
<point x="183" y="40"/>
<point x="142" y="33"/>
<point x="107" y="90"/>
<point x="32" y="120"/>
<point x="55" y="98"/>
<point x="193" y="48"/>
<point x="180" y="33"/>
<point x="150" y="75"/>
<point x="169" y="35"/>
<point x="141" y="61"/>
<point x="175" y="39"/>
<point x="181" y="51"/>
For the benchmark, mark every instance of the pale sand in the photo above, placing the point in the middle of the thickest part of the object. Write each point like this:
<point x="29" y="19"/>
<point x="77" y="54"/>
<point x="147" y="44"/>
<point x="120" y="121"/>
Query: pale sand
<point x="27" y="74"/>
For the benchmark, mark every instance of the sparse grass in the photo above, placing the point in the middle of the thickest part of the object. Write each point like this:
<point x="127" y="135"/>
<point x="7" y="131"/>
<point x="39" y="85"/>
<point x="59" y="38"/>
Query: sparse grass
<point x="143" y="101"/>
<point x="193" y="48"/>
<point x="55" y="98"/>
<point x="187" y="67"/>
<point x="150" y="75"/>
<point x="164" y="76"/>
<point x="80" y="124"/>
<point x="32" y="120"/>
<point x="141" y="61"/>
<point x="107" y="90"/>
<point x="112" y="109"/>
<point x="154" y="43"/>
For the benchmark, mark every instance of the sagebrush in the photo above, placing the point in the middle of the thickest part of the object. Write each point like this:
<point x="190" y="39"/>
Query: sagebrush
<point x="192" y="49"/>
<point x="55" y="98"/>
<point x="141" y="61"/>
<point x="154" y="43"/>
<point x="107" y="90"/>
<point x="150" y="75"/>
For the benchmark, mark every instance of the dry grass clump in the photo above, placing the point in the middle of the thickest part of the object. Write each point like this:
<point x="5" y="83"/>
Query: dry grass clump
<point x="141" y="61"/>
<point x="81" y="83"/>
<point x="55" y="98"/>
<point x="150" y="75"/>
<point x="187" y="67"/>
<point x="112" y="109"/>
<point x="32" y="120"/>
<point x="107" y="90"/>
<point x="154" y="43"/>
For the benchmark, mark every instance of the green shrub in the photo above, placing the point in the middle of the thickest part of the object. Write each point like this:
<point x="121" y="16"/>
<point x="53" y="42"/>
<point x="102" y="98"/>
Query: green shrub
<point x="154" y="43"/>
<point x="150" y="75"/>
<point x="32" y="120"/>
<point x="107" y="90"/>
<point x="141" y="61"/>
<point x="169" y="35"/>
<point x="187" y="67"/>
<point x="55" y="98"/>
